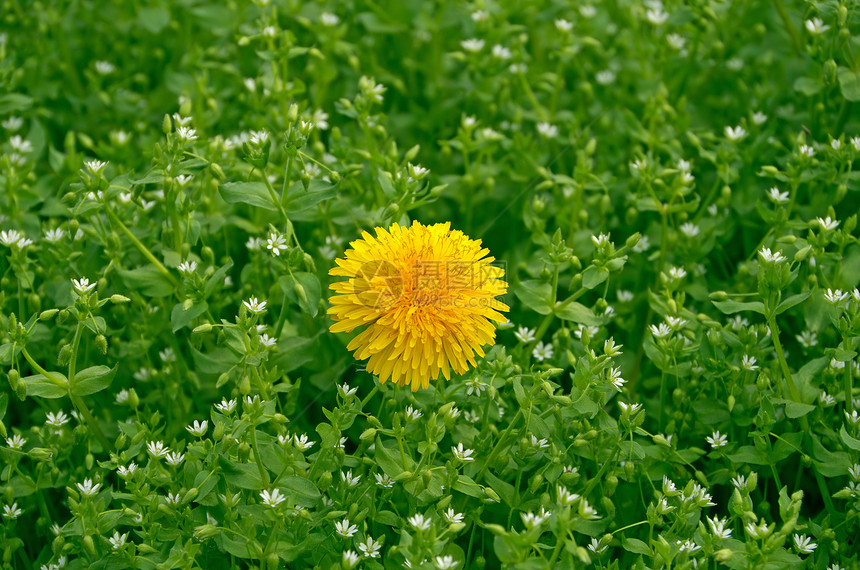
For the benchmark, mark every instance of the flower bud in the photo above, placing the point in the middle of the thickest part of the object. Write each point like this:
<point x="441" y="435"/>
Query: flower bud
<point x="166" y="124"/>
<point x="14" y="376"/>
<point x="244" y="452"/>
<point x="101" y="343"/>
<point x="89" y="546"/>
<point x="49" y="314"/>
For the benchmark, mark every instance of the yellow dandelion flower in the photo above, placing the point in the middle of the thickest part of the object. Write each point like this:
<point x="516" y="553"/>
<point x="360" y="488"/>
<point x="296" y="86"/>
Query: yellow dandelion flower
<point x="427" y="295"/>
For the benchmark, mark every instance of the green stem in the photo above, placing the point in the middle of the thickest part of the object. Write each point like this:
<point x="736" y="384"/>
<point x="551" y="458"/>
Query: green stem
<point x="274" y="196"/>
<point x="789" y="27"/>
<point x="73" y="360"/>
<point x="498" y="448"/>
<point x="264" y="475"/>
<point x="142" y="248"/>
<point x="780" y="355"/>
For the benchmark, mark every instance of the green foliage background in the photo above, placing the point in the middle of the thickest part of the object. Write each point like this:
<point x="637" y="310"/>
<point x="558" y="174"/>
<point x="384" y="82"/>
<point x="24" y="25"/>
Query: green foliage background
<point x="684" y="165"/>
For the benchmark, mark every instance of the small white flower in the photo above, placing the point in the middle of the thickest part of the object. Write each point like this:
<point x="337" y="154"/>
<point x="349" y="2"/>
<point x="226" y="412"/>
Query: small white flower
<point x="629" y="409"/>
<point x="547" y="130"/>
<point x="836" y="144"/>
<point x="854" y="472"/>
<point x="475" y="386"/>
<point x="412" y="413"/>
<point x="804" y="544"/>
<point x="20" y="144"/>
<point x="16" y="441"/>
<point x="226" y="406"/>
<point x="302" y="443"/>
<point x="677" y="273"/>
<point x="416" y="171"/>
<point x="660" y="331"/>
<point x="541" y="443"/>
<point x="370" y="548"/>
<point x="346" y="391"/>
<point x="663" y="506"/>
<point x="349" y="479"/>
<point x="472" y="45"/>
<point x="582" y="329"/>
<point x="82" y="285"/>
<point x="837" y="364"/>
<point x="267" y="341"/>
<point x="328" y="19"/>
<point x="835" y="297"/>
<point x="735" y="133"/>
<point x="12" y="512"/>
<point x="596" y="547"/>
<point x="532" y="520"/>
<point x="122" y="397"/>
<point x="118" y="540"/>
<point x="815" y="26"/>
<point x="855" y="142"/>
<point x="740" y="483"/>
<point x="717" y="440"/>
<point x="759" y="118"/>
<point x="127" y="471"/>
<point x="104" y="67"/>
<point x="748" y="363"/>
<point x="605" y="77"/>
<point x="167" y="355"/>
<point x="384" y="480"/>
<point x="565" y="497"/>
<point x="187" y="267"/>
<point x="676" y="41"/>
<point x="345" y="529"/>
<point x="827" y="224"/>
<point x="88" y="488"/>
<point x="826" y="399"/>
<point x="806" y="150"/>
<point x="183" y="180"/>
<point x="272" y="498"/>
<point x="587" y="11"/>
<point x="687" y="546"/>
<point x="174" y="458"/>
<point x="601" y="240"/>
<point x="12" y="123"/>
<point x="54" y="235"/>
<point x="501" y="52"/>
<point x="615" y="378"/>
<point x="771" y="257"/>
<point x="462" y="454"/>
<point x="624" y="296"/>
<point x="656" y="15"/>
<point x="350" y="558"/>
<point x="157" y="449"/>
<point x="186" y="135"/>
<point x="643" y="245"/>
<point x="173" y="498"/>
<point x="259" y="138"/>
<point x="453" y="517"/>
<point x="418" y="522"/>
<point x="320" y="119"/>
<point x="95" y="166"/>
<point x="807" y="339"/>
<point x="276" y="243"/>
<point x="453" y="413"/>
<point x="56" y="420"/>
<point x="777" y="197"/>
<point x="446" y="562"/>
<point x="853" y="418"/>
<point x="563" y="25"/>
<point x="689" y="229"/>
<point x="480" y="15"/>
<point x="542" y="351"/>
<point x="718" y="527"/>
<point x="254" y="305"/>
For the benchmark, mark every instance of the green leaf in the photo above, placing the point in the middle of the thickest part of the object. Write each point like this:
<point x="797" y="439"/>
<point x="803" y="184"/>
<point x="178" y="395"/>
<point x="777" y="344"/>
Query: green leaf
<point x="731" y="307"/>
<point x="7" y="353"/>
<point x="216" y="280"/>
<point x="748" y="454"/>
<point x="790" y="302"/>
<point x="578" y="313"/>
<point x="807" y="86"/>
<point x="636" y="546"/>
<point x="252" y="193"/>
<point x="93" y="379"/>
<point x="302" y="491"/>
<point x="153" y="19"/>
<point x="38" y="385"/>
<point x="796" y="409"/>
<point x="385" y="459"/>
<point x="147" y="280"/>
<point x="14" y="103"/>
<point x="467" y="486"/>
<point x="386" y="185"/>
<point x="242" y="475"/>
<point x="299" y="199"/>
<point x="535" y="295"/>
<point x="310" y="301"/>
<point x="180" y="318"/>
<point x="849" y="83"/>
<point x="851" y="442"/>
<point x="594" y="276"/>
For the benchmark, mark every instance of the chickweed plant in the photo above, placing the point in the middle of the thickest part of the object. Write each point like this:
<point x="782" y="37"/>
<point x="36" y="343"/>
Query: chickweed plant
<point x="230" y="333"/>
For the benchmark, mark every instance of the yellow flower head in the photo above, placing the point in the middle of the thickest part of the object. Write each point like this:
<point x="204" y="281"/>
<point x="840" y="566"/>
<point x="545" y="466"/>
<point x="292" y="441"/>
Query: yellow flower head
<point x="426" y="295"/>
